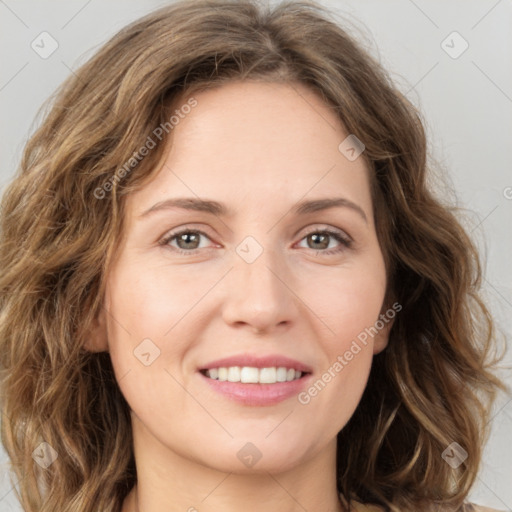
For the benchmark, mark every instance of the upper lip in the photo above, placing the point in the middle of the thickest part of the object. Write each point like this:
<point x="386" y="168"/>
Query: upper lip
<point x="267" y="361"/>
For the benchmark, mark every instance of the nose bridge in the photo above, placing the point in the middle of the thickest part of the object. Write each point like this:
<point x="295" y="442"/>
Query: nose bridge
<point x="257" y="294"/>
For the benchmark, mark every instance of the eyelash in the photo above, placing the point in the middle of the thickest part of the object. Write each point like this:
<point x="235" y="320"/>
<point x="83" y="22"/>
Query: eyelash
<point x="346" y="242"/>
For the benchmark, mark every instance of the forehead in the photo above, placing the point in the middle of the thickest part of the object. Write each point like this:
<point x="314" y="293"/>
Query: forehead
<point x="254" y="141"/>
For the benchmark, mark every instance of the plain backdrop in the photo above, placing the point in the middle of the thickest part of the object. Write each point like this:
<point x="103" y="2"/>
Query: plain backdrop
<point x="453" y="59"/>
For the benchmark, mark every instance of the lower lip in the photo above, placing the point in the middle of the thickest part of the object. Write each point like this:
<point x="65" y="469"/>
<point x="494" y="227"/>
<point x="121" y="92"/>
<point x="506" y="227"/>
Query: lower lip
<point x="258" y="394"/>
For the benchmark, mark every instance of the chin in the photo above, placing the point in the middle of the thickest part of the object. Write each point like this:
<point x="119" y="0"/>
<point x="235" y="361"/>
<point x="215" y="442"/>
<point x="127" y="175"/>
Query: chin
<point x="275" y="464"/>
<point x="242" y="456"/>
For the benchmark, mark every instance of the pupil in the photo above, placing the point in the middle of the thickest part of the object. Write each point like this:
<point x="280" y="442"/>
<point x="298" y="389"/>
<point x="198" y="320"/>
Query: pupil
<point x="186" y="238"/>
<point x="315" y="239"/>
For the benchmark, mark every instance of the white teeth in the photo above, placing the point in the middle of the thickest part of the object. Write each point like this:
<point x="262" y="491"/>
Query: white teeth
<point x="234" y="374"/>
<point x="281" y="374"/>
<point x="267" y="376"/>
<point x="252" y="375"/>
<point x="247" y="375"/>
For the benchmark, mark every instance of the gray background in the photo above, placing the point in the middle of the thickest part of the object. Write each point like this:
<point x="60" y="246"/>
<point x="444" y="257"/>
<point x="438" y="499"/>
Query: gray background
<point x="466" y="102"/>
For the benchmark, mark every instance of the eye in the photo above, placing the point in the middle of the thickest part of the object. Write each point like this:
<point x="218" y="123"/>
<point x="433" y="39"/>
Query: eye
<point x="188" y="240"/>
<point x="320" y="240"/>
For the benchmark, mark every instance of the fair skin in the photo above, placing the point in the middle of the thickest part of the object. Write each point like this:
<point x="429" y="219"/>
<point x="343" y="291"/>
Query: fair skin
<point x="259" y="149"/>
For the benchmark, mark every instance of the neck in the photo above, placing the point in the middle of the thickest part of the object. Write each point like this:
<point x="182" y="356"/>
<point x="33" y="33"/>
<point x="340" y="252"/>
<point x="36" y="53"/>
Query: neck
<point x="170" y="482"/>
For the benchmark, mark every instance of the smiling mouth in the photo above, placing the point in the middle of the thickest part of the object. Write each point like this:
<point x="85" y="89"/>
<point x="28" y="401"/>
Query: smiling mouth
<point x="253" y="375"/>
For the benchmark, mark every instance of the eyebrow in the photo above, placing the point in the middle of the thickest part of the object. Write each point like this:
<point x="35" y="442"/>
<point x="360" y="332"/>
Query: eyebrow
<point x="219" y="209"/>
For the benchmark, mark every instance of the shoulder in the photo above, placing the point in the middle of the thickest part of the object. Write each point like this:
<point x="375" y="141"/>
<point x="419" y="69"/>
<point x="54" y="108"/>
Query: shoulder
<point x="361" y="507"/>
<point x="470" y="507"/>
<point x="479" y="508"/>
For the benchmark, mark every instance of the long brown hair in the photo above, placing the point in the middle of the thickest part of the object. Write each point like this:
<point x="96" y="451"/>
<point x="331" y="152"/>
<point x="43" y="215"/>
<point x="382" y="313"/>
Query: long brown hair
<point x="61" y="221"/>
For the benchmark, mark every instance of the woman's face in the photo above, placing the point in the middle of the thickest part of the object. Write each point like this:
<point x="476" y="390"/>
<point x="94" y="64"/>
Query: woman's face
<point x="243" y="270"/>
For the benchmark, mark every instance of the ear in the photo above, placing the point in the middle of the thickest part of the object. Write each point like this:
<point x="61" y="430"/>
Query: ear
<point x="96" y="338"/>
<point x="383" y="325"/>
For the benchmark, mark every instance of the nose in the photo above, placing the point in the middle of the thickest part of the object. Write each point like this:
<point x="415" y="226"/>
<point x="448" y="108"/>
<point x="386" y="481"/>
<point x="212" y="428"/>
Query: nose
<point x="259" y="294"/>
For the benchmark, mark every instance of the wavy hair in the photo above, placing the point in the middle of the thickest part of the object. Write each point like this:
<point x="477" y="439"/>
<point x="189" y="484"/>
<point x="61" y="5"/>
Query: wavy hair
<point x="62" y="219"/>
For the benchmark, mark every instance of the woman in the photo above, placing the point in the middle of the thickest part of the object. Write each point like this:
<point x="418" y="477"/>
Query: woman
<point x="238" y="290"/>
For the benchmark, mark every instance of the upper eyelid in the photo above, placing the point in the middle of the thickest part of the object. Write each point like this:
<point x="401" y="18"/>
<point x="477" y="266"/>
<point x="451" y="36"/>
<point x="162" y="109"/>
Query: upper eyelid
<point x="338" y="231"/>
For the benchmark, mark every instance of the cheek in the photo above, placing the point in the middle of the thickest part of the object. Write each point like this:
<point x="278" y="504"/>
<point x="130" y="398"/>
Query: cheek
<point x="149" y="301"/>
<point x="350" y="303"/>
<point x="149" y="328"/>
<point x="350" y="306"/>
<point x="140" y="314"/>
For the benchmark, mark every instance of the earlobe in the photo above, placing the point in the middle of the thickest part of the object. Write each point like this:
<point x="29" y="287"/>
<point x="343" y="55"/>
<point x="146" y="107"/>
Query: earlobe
<point x="96" y="337"/>
<point x="381" y="339"/>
